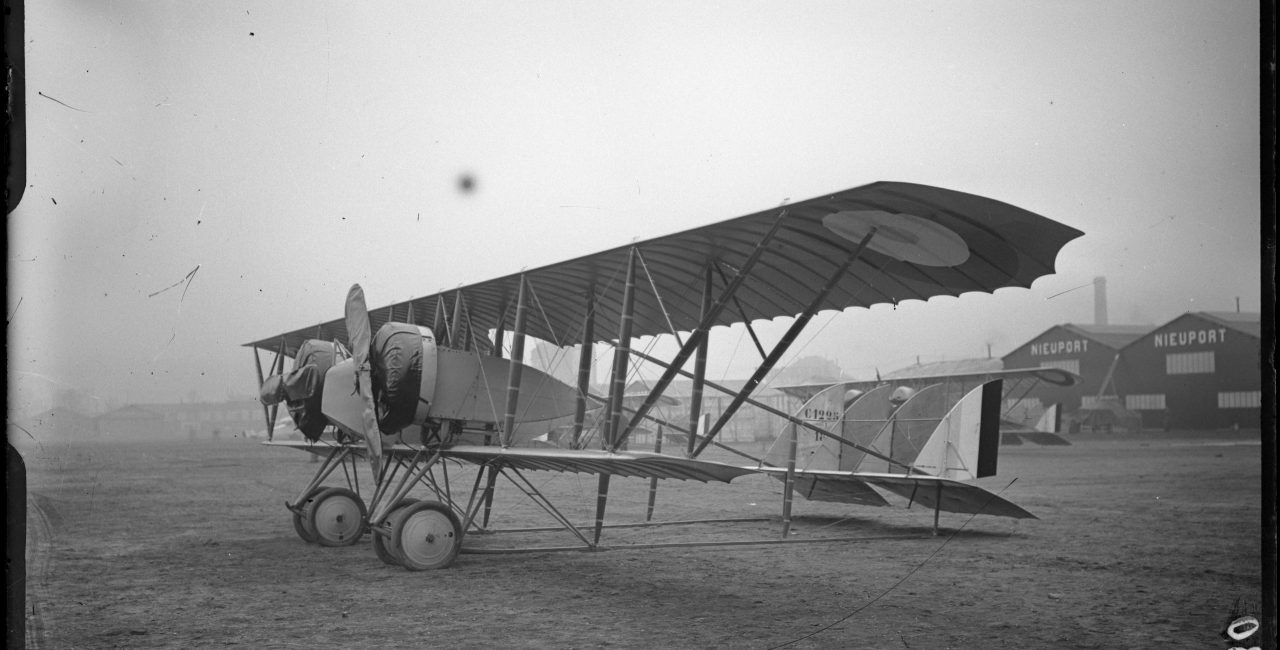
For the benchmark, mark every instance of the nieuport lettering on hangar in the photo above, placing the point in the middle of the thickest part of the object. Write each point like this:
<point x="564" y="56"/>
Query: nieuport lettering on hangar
<point x="1209" y="336"/>
<point x="1075" y="346"/>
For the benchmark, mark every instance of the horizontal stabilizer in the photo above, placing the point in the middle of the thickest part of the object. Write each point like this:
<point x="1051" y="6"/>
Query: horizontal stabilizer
<point x="947" y="495"/>
<point x="836" y="487"/>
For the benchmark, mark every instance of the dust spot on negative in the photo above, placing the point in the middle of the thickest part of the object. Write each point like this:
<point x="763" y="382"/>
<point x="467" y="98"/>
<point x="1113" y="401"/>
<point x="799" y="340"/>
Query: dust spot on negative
<point x="466" y="183"/>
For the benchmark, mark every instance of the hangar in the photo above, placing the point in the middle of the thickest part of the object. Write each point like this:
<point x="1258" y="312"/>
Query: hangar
<point x="1198" y="371"/>
<point x="1091" y="351"/>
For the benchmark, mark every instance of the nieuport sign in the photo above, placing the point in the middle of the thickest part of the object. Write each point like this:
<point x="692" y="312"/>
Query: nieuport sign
<point x="1210" y="336"/>
<point x="1049" y="348"/>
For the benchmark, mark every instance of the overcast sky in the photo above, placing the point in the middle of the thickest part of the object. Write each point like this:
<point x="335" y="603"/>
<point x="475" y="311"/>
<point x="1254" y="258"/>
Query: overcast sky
<point x="288" y="150"/>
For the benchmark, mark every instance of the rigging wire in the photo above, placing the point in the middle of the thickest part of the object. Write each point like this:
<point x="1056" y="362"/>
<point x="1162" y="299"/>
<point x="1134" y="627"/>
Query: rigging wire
<point x="901" y="580"/>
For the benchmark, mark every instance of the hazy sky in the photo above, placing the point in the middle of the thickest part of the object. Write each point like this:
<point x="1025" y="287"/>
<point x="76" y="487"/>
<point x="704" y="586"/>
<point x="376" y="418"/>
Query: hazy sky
<point x="291" y="149"/>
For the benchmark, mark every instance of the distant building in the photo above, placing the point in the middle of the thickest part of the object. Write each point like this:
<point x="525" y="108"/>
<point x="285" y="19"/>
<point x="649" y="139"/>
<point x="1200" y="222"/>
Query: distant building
<point x="1090" y="351"/>
<point x="131" y="422"/>
<point x="1198" y="371"/>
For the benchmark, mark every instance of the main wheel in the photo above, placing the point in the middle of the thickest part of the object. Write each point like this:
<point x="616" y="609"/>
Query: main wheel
<point x="382" y="545"/>
<point x="338" y="516"/>
<point x="426" y="535"/>
<point x="301" y="525"/>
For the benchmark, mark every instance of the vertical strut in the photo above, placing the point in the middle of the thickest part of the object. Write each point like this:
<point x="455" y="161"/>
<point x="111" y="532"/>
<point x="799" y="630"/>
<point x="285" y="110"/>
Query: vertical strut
<point x="266" y="413"/>
<point x="437" y="323"/>
<point x="699" y="366"/>
<point x="621" y="357"/>
<point x="517" y="358"/>
<point x="490" y="479"/>
<point x="602" y="498"/>
<point x="277" y="368"/>
<point x="463" y="342"/>
<point x="584" y="368"/>
<point x="789" y="486"/>
<point x="937" y="507"/>
<point x="653" y="482"/>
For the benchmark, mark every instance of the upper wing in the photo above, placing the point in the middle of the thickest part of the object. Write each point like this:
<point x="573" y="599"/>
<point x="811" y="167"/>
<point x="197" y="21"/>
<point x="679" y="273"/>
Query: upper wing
<point x="929" y="241"/>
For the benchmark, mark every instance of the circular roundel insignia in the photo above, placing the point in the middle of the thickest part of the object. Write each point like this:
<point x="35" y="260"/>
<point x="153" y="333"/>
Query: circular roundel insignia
<point x="904" y="237"/>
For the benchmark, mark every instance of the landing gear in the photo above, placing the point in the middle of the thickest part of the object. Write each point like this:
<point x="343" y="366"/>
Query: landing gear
<point x="425" y="535"/>
<point x="382" y="545"/>
<point x="301" y="523"/>
<point x="337" y="515"/>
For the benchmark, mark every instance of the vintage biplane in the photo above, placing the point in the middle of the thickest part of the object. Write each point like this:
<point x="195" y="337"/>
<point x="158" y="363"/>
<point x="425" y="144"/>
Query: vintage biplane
<point x="409" y="386"/>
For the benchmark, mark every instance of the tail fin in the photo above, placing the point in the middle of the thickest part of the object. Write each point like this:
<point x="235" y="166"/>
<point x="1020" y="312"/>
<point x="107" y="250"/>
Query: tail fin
<point x="1051" y="420"/>
<point x="966" y="442"/>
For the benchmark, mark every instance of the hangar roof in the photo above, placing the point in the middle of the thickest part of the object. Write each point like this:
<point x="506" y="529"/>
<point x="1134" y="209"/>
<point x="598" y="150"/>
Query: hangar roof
<point x="1248" y="322"/>
<point x="954" y="367"/>
<point x="1112" y="336"/>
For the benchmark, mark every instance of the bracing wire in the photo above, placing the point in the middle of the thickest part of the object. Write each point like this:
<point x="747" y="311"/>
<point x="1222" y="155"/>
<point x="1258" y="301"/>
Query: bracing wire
<point x="901" y="580"/>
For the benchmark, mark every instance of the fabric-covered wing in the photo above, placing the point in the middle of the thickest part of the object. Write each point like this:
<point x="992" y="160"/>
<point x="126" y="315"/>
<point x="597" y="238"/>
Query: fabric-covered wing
<point x="627" y="463"/>
<point x="929" y="241"/>
<point x="623" y="463"/>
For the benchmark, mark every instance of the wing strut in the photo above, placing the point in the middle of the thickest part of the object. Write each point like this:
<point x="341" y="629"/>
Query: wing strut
<point x="787" y="339"/>
<point x="621" y="354"/>
<point x="602" y="498"/>
<point x="517" y="364"/>
<point x="653" y="482"/>
<point x="695" y="340"/>
<point x="789" y="485"/>
<point x="584" y="368"/>
<point x="266" y="410"/>
<point x="699" y="366"/>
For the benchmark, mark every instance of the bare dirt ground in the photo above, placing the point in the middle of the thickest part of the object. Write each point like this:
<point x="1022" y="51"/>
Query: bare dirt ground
<point x="1141" y="542"/>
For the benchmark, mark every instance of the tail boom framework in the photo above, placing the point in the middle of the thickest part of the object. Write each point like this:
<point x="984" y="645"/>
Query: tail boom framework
<point x="962" y="445"/>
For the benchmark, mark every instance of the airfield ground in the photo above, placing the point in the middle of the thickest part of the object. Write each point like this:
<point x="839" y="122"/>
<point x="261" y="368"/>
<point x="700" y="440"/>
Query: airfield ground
<point x="1144" y="541"/>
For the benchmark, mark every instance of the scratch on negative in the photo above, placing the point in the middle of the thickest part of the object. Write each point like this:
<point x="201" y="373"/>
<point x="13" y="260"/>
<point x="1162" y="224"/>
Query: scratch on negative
<point x="1068" y="291"/>
<point x="14" y="312"/>
<point x="61" y="102"/>
<point x="189" y="277"/>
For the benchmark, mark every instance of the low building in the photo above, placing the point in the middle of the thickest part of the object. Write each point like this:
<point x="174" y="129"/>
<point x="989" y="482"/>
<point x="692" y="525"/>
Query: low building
<point x="1090" y="351"/>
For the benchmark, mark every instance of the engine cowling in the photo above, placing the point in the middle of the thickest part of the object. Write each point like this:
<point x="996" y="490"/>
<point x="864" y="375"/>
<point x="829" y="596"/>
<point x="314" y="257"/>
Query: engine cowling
<point x="301" y="389"/>
<point x="403" y="372"/>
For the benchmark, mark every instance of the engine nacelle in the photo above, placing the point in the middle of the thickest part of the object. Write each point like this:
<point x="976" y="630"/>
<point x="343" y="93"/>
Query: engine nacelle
<point x="403" y="369"/>
<point x="414" y="382"/>
<point x="302" y="388"/>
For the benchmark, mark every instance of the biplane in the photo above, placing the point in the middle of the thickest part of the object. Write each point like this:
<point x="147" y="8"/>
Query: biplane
<point x="410" y="387"/>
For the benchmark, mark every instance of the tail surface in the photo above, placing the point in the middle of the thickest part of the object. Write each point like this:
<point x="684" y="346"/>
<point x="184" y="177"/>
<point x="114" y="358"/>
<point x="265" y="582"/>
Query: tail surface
<point x="966" y="442"/>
